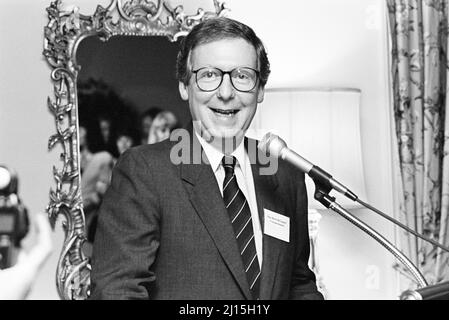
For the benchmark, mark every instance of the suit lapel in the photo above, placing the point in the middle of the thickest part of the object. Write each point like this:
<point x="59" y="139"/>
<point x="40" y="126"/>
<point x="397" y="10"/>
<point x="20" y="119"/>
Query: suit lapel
<point x="206" y="198"/>
<point x="266" y="186"/>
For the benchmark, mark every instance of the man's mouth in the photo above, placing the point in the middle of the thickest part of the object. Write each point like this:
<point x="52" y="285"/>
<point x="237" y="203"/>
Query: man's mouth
<point x="228" y="112"/>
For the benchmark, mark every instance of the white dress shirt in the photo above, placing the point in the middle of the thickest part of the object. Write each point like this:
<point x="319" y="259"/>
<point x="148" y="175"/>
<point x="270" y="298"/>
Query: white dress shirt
<point x="245" y="182"/>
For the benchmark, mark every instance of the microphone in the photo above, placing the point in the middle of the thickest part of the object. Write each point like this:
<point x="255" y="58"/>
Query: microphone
<point x="277" y="147"/>
<point x="273" y="145"/>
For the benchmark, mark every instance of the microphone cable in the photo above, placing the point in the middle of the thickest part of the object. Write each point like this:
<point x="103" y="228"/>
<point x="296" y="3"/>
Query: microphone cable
<point x="402" y="225"/>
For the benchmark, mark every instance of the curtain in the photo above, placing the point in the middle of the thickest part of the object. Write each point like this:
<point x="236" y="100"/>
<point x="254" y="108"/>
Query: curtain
<point x="419" y="34"/>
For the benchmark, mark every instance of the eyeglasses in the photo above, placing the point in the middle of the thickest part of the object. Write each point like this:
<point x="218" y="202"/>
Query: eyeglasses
<point x="243" y="79"/>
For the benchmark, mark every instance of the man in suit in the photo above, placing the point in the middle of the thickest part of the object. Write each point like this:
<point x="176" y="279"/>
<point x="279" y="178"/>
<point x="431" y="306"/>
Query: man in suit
<point x="196" y="217"/>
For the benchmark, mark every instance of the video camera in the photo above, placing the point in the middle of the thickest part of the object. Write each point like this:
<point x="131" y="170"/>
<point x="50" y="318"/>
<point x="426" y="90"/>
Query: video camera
<point x="14" y="221"/>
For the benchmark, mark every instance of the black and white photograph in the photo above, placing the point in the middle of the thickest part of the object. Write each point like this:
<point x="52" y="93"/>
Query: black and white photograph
<point x="221" y="150"/>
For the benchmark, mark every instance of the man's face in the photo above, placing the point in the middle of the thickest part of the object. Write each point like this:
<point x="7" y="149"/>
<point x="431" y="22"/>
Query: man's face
<point x="82" y="137"/>
<point x="124" y="142"/>
<point x="160" y="130"/>
<point x="105" y="127"/>
<point x="208" y="107"/>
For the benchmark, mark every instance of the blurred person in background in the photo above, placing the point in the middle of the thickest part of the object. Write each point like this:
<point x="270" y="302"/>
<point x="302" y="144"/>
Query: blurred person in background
<point x="163" y="124"/>
<point x="96" y="170"/>
<point x="145" y="122"/>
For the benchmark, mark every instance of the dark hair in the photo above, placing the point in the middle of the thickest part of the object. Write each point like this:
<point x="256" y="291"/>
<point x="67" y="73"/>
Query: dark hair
<point x="128" y="131"/>
<point x="217" y="29"/>
<point x="98" y="100"/>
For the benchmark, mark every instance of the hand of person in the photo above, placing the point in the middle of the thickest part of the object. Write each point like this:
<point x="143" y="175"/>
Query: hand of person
<point x="16" y="281"/>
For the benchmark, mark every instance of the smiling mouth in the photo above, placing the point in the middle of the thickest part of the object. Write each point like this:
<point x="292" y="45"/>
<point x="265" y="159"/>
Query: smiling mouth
<point x="228" y="113"/>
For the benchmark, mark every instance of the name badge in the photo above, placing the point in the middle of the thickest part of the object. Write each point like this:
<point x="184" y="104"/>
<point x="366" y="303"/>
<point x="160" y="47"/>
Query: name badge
<point x="276" y="225"/>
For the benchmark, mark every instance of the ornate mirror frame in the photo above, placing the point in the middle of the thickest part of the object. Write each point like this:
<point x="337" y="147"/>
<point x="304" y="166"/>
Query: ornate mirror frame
<point x="62" y="35"/>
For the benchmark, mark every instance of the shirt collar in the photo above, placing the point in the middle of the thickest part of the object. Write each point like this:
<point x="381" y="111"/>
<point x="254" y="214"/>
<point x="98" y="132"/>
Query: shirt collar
<point x="215" y="157"/>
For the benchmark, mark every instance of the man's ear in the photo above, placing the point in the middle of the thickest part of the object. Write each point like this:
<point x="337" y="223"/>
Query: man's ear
<point x="183" y="91"/>
<point x="260" y="94"/>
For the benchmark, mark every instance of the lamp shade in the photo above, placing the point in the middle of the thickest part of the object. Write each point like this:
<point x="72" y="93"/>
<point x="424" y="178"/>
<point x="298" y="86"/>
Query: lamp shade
<point x="321" y="125"/>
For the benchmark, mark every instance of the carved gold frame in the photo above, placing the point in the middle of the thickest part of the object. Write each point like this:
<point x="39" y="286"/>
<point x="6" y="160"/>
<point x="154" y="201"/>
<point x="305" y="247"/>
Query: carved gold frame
<point x="62" y="35"/>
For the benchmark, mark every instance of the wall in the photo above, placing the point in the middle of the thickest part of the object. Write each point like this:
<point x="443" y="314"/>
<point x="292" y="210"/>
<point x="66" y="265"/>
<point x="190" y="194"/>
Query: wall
<point x="25" y="122"/>
<point x="323" y="43"/>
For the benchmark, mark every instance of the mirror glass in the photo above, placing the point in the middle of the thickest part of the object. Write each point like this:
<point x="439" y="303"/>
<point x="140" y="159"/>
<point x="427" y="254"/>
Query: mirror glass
<point x="127" y="96"/>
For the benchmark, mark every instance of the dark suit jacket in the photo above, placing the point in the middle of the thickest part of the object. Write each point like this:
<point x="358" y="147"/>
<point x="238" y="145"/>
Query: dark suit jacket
<point x="164" y="233"/>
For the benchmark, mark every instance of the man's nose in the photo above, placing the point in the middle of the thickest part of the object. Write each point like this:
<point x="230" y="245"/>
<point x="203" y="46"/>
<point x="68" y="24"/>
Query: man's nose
<point x="226" y="90"/>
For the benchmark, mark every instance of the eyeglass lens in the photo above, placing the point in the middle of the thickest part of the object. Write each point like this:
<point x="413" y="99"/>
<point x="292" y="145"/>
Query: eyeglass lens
<point x="242" y="78"/>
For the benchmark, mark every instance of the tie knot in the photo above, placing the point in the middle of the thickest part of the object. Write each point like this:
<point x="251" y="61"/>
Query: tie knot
<point x="228" y="163"/>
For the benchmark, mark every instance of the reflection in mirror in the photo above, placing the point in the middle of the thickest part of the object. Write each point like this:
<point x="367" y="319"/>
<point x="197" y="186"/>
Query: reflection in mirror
<point x="117" y="78"/>
<point x="127" y="95"/>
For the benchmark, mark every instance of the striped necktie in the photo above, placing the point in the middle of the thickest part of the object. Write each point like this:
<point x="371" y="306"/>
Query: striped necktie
<point x="240" y="215"/>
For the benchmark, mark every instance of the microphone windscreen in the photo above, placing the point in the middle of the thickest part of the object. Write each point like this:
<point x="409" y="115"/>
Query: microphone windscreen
<point x="272" y="145"/>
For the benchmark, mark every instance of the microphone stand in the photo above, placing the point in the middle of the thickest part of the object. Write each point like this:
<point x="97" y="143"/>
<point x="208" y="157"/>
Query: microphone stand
<point x="322" y="195"/>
